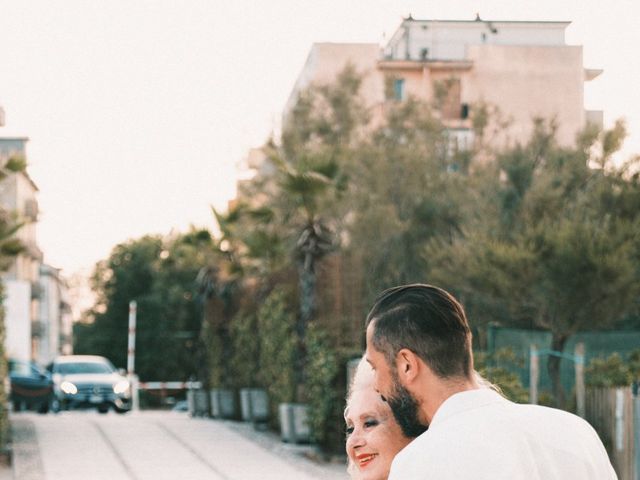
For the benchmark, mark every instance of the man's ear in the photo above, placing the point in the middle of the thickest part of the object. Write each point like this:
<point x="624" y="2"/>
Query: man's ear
<point x="407" y="365"/>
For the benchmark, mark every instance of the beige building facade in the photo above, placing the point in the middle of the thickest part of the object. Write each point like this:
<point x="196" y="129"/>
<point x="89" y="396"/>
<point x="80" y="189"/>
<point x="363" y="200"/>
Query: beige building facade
<point x="519" y="70"/>
<point x="37" y="312"/>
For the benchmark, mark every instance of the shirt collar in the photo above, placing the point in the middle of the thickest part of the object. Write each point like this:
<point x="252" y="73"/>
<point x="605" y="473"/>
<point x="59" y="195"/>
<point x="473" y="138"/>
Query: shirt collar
<point x="463" y="401"/>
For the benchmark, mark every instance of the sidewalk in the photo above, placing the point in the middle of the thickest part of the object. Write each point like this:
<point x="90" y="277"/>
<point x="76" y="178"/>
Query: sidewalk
<point x="37" y="448"/>
<point x="6" y="473"/>
<point x="307" y="457"/>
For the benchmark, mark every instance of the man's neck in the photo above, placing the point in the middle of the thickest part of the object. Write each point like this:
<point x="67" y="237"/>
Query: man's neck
<point x="438" y="390"/>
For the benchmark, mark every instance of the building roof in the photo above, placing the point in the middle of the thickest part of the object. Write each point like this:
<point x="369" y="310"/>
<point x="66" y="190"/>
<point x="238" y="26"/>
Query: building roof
<point x="479" y="20"/>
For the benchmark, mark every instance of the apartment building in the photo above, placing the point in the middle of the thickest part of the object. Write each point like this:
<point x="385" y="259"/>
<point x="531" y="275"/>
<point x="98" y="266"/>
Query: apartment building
<point x="21" y="280"/>
<point x="54" y="322"/>
<point x="521" y="70"/>
<point x="37" y="313"/>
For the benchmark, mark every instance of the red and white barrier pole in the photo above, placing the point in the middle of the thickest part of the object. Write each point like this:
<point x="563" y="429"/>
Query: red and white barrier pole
<point x="131" y="356"/>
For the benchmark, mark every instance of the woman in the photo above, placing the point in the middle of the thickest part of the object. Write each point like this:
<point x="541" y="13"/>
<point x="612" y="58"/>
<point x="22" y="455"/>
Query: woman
<point x="373" y="436"/>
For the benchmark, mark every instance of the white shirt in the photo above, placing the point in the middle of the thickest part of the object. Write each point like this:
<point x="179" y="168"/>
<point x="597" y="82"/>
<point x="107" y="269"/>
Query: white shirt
<point x="480" y="435"/>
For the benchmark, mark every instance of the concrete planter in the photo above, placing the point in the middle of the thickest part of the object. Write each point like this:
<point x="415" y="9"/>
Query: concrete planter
<point x="223" y="403"/>
<point x="254" y="405"/>
<point x="294" y="424"/>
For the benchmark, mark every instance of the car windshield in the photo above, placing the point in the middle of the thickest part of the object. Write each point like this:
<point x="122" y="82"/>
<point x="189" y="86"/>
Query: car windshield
<point x="84" y="367"/>
<point x="22" y="368"/>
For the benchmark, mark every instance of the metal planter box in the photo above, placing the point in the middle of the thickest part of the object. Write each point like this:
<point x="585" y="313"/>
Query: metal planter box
<point x="294" y="424"/>
<point x="254" y="405"/>
<point x="223" y="403"/>
<point x="198" y="403"/>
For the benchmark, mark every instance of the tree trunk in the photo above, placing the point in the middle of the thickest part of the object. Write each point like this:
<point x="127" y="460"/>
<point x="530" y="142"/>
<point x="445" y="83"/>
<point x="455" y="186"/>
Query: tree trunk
<point x="307" y="286"/>
<point x="558" y="342"/>
<point x="225" y="356"/>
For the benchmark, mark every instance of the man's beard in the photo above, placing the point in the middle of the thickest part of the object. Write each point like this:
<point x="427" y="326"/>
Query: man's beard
<point x="405" y="410"/>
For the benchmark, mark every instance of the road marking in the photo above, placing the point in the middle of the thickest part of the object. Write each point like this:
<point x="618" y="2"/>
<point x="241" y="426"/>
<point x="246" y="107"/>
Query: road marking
<point x="193" y="452"/>
<point x="111" y="445"/>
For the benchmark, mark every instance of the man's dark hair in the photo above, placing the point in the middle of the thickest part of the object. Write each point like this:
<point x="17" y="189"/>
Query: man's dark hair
<point x="426" y="320"/>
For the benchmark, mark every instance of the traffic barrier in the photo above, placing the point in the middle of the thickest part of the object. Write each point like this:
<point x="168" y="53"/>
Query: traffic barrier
<point x="169" y="385"/>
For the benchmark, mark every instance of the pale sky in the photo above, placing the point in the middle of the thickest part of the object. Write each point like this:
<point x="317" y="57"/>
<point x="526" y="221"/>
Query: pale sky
<point x="138" y="112"/>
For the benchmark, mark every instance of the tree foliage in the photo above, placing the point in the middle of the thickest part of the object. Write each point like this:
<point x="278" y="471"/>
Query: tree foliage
<point x="613" y="371"/>
<point x="537" y="236"/>
<point x="159" y="274"/>
<point x="555" y="247"/>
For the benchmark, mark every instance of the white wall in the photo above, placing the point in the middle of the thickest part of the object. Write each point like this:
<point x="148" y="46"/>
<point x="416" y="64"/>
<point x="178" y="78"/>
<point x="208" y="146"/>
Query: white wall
<point x="18" y="319"/>
<point x="449" y="40"/>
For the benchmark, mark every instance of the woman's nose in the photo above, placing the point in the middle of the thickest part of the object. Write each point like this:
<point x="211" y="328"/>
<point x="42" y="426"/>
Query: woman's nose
<point x="356" y="439"/>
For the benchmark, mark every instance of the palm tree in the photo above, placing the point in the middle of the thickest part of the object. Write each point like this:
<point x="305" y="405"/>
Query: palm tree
<point x="304" y="188"/>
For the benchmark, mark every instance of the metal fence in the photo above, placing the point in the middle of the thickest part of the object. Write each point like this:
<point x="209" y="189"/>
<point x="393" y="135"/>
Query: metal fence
<point x="615" y="415"/>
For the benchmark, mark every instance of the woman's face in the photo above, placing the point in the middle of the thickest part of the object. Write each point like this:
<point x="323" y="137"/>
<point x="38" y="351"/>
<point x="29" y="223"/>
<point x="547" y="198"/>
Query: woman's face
<point x="373" y="436"/>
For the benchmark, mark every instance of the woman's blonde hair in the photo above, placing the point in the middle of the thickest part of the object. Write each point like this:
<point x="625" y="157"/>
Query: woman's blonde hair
<point x="362" y="379"/>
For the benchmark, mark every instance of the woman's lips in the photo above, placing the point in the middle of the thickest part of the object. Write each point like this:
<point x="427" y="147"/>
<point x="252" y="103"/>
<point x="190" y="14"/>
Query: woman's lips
<point x="365" y="459"/>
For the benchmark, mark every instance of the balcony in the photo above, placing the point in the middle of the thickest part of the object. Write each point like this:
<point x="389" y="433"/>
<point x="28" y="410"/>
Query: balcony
<point x="36" y="291"/>
<point x="38" y="329"/>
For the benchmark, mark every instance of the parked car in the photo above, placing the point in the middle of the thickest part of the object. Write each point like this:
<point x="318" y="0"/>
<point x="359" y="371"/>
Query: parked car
<point x="181" y="406"/>
<point x="31" y="387"/>
<point x="88" y="381"/>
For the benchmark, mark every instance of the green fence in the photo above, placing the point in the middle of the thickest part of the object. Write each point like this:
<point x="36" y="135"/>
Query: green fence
<point x="597" y="344"/>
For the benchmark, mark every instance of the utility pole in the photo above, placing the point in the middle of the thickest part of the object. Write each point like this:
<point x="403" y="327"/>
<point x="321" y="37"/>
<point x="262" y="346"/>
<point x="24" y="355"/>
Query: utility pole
<point x="534" y="374"/>
<point x="580" y="385"/>
<point x="131" y="356"/>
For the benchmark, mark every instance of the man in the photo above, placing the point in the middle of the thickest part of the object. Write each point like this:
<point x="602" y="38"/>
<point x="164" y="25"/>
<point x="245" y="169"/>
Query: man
<point x="419" y="345"/>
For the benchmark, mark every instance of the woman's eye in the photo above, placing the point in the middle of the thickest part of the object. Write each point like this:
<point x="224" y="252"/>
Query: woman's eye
<point x="349" y="430"/>
<point x="371" y="423"/>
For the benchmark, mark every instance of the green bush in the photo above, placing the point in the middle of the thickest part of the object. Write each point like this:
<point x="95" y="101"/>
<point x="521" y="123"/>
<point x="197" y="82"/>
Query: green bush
<point x="275" y="324"/>
<point x="245" y="336"/>
<point x="613" y="371"/>
<point x="213" y="358"/>
<point x="634" y="364"/>
<point x="326" y="387"/>
<point x="325" y="396"/>
<point x="497" y="368"/>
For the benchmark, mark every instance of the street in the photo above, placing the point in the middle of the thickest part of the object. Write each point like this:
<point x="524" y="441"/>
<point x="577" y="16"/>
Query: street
<point x="153" y="446"/>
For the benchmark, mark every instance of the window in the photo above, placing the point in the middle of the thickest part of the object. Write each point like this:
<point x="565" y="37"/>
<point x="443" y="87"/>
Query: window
<point x="398" y="89"/>
<point x="447" y="96"/>
<point x="424" y="54"/>
<point x="464" y="111"/>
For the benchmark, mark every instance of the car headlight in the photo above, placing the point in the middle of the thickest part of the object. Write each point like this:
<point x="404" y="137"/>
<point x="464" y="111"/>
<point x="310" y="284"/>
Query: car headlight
<point x="68" y="388"/>
<point x="121" y="387"/>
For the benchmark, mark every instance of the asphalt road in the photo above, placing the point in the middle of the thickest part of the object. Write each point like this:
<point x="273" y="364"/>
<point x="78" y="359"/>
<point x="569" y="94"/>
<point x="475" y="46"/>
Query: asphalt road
<point x="153" y="446"/>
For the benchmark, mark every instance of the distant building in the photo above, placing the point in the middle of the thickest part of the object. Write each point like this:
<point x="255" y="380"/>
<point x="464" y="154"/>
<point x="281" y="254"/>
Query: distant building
<point x="18" y="196"/>
<point x="524" y="69"/>
<point x="519" y="70"/>
<point x="54" y="322"/>
<point x="325" y="62"/>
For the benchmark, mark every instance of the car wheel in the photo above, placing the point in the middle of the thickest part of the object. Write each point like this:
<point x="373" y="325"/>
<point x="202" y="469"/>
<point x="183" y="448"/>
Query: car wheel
<point x="55" y="405"/>
<point x="103" y="409"/>
<point x="17" y="405"/>
<point x="44" y="407"/>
